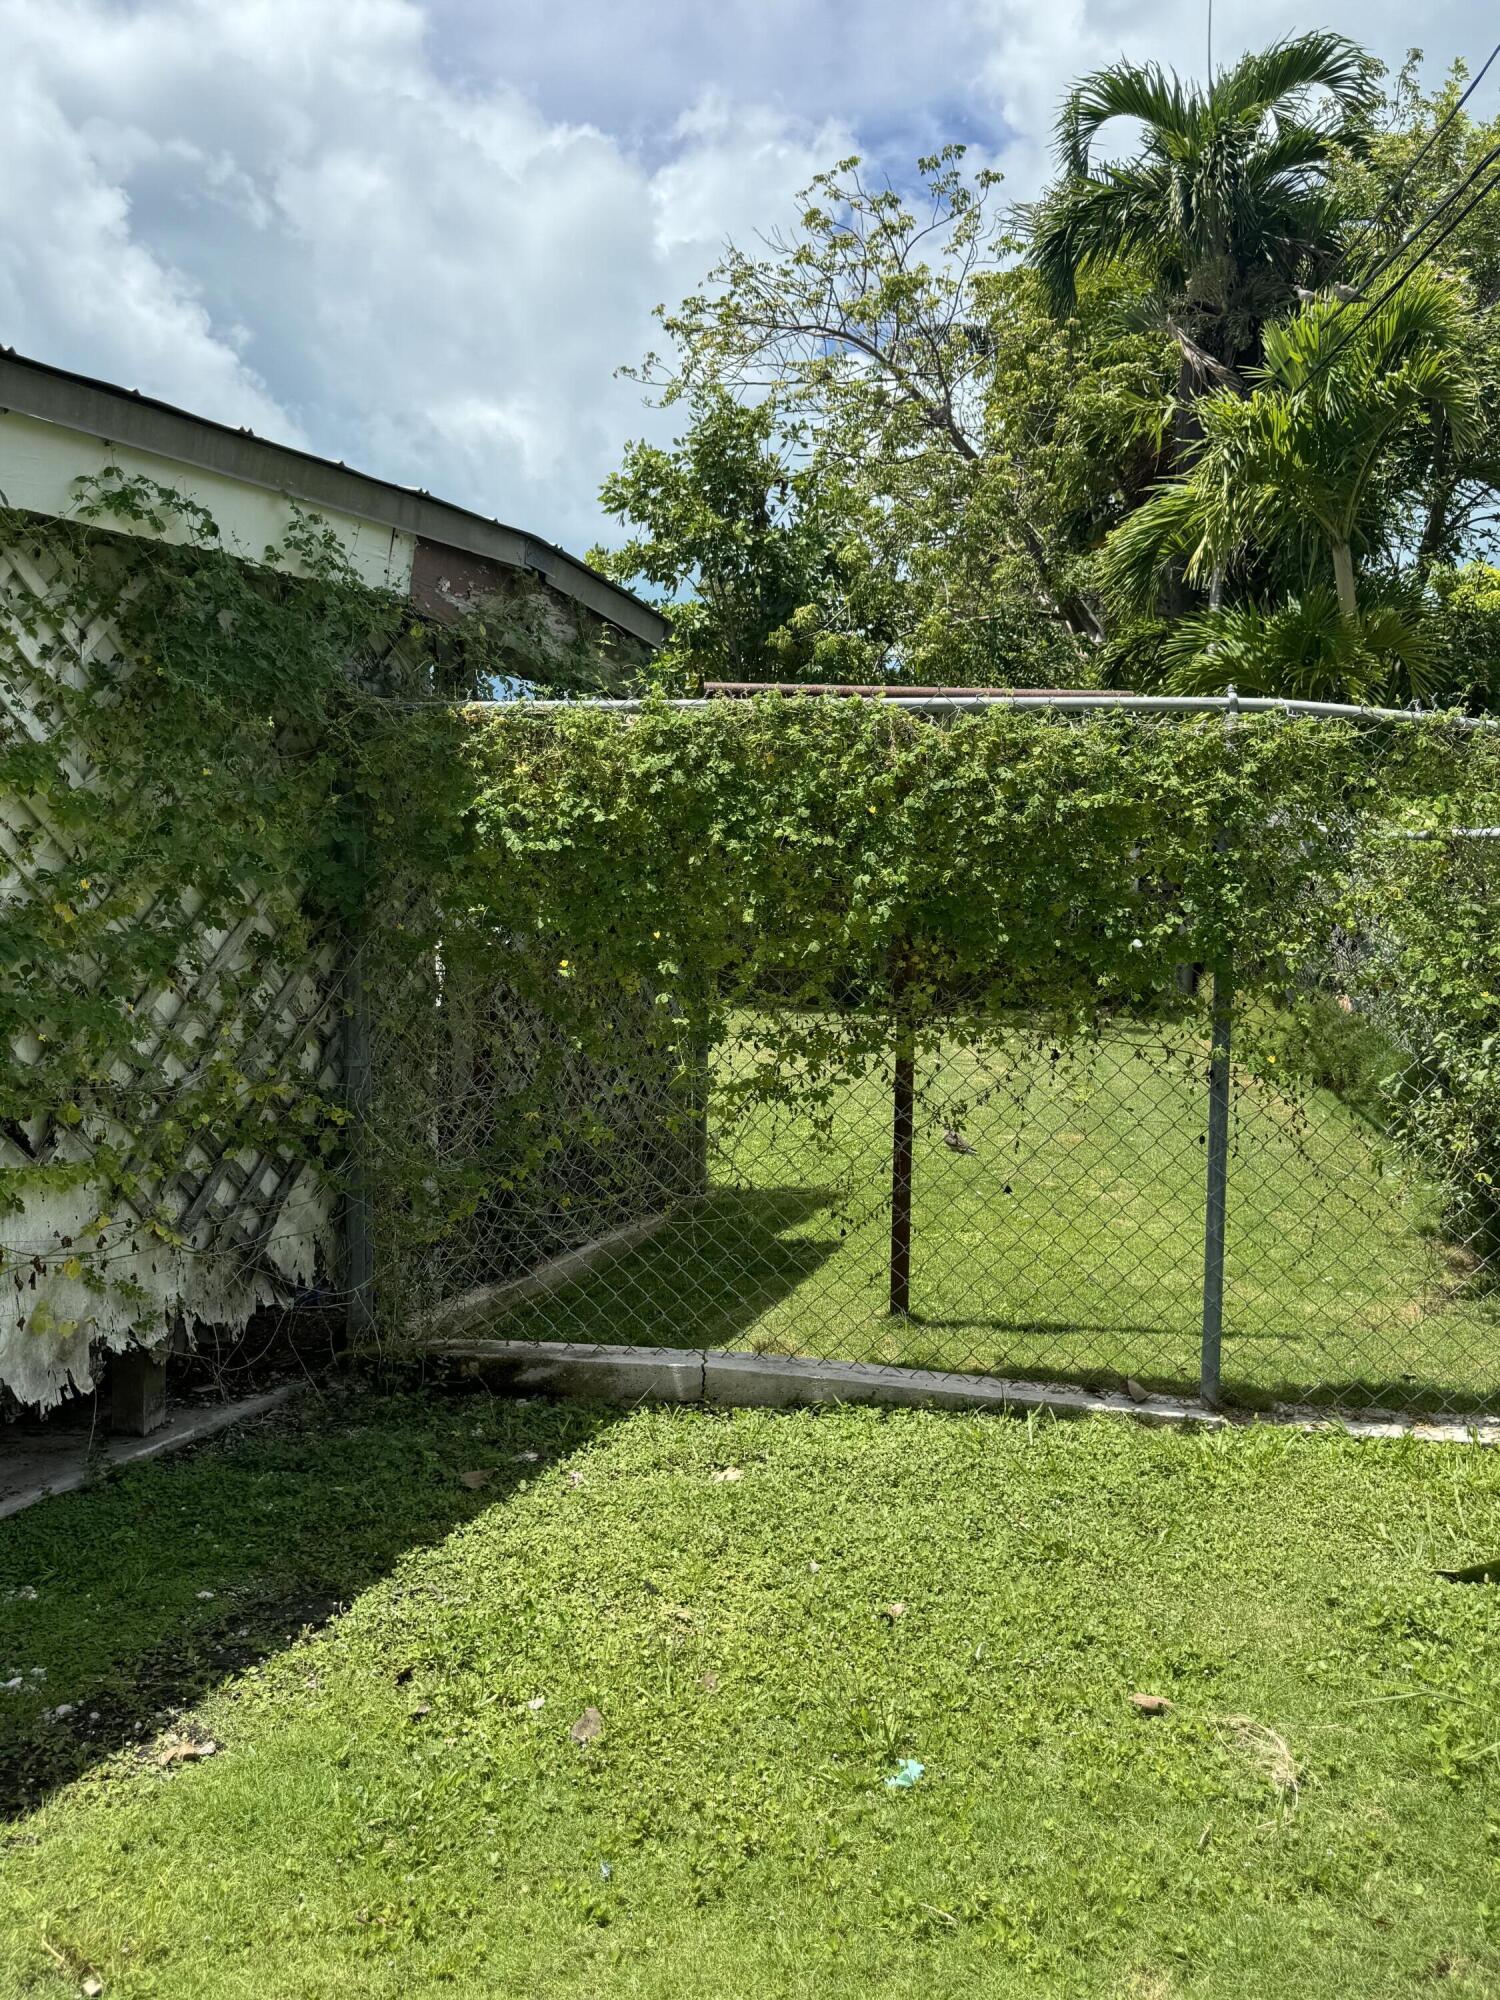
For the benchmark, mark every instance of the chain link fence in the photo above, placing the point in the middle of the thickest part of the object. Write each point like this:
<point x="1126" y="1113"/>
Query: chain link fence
<point x="1275" y="1190"/>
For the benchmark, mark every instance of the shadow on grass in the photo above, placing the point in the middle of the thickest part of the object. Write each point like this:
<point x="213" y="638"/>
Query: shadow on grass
<point x="1252" y="1381"/>
<point x="140" y="1593"/>
<point x="1056" y="1328"/>
<point x="701" y="1281"/>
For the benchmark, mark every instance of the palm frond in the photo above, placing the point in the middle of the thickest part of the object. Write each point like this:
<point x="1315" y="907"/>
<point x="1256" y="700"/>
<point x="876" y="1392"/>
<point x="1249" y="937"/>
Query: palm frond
<point x="1146" y="91"/>
<point x="1225" y="193"/>
<point x="1289" y="70"/>
<point x="1099" y="219"/>
<point x="1304" y="649"/>
<point x="1165" y="530"/>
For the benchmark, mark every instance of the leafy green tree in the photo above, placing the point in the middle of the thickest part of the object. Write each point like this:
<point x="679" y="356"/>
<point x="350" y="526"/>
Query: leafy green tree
<point x="962" y="451"/>
<point x="1465" y="620"/>
<point x="867" y="324"/>
<point x="749" y="549"/>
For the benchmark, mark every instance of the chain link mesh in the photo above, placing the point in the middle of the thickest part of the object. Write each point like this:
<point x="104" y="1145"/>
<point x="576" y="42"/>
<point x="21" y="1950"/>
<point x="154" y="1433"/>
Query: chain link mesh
<point x="977" y="1193"/>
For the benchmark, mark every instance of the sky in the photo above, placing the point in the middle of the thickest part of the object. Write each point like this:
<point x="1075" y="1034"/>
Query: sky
<point x="422" y="235"/>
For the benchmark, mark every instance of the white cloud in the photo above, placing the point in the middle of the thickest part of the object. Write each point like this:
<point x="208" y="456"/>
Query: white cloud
<point x="422" y="239"/>
<point x="77" y="287"/>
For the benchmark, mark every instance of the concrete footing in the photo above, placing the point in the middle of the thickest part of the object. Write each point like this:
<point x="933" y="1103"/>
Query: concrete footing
<point x="773" y="1381"/>
<point x="138" y="1391"/>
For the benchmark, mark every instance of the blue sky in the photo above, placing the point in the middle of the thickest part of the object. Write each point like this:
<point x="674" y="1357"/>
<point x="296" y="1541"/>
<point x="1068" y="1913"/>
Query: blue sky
<point x="421" y="237"/>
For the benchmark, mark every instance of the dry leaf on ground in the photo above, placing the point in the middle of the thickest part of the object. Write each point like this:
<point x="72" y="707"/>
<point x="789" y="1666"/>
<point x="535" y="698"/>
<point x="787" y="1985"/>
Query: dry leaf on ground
<point x="1151" y="1704"/>
<point x="728" y="1474"/>
<point x="187" y="1751"/>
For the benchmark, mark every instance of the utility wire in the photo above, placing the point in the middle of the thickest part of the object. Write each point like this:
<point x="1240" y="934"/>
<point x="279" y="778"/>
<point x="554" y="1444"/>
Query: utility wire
<point x="1391" y="290"/>
<point x="1411" y="166"/>
<point x="1433" y="215"/>
<point x="1419" y="229"/>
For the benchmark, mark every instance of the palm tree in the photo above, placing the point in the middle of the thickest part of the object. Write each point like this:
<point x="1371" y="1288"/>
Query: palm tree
<point x="1227" y="204"/>
<point x="1292" y="485"/>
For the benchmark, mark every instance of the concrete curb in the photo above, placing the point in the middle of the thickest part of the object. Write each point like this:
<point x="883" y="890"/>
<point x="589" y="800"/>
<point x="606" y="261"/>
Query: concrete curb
<point x="187" y="1427"/>
<point x="783" y="1381"/>
<point x="587" y="1374"/>
<point x="773" y="1381"/>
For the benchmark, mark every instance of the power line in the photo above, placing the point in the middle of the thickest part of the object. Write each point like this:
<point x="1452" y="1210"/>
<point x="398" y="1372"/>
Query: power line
<point x="1411" y="166"/>
<point x="1433" y="215"/>
<point x="1391" y="290"/>
<point x="1421" y="228"/>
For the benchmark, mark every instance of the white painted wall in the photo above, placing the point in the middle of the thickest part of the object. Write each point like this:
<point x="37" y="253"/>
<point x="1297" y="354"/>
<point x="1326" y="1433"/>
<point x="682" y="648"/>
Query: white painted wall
<point x="41" y="462"/>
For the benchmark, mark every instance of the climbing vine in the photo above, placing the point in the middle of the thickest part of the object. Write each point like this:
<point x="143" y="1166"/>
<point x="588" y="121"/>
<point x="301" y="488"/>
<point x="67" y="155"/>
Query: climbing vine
<point x="846" y="858"/>
<point x="230" y="787"/>
<point x="200" y="758"/>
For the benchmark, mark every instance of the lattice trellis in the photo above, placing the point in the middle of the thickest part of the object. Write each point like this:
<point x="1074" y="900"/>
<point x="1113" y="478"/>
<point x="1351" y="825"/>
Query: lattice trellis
<point x="224" y="1230"/>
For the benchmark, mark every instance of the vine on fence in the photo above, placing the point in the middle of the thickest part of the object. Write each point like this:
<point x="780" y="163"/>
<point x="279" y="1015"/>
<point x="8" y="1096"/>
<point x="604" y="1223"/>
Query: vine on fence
<point x="196" y="772"/>
<point x="195" y="746"/>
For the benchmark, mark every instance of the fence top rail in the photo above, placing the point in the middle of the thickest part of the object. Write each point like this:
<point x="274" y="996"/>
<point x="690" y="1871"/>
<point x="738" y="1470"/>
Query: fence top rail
<point x="940" y="706"/>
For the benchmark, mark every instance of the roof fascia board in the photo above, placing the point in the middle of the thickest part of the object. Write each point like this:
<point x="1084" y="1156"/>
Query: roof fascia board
<point x="121" y="416"/>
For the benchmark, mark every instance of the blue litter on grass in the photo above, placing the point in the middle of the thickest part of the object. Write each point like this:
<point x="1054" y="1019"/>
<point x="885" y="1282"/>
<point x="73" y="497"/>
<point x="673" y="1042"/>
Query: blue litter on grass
<point x="907" y="1773"/>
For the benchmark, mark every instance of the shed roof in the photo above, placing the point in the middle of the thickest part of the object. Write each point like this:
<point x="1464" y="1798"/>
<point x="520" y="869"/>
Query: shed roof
<point x="126" y="417"/>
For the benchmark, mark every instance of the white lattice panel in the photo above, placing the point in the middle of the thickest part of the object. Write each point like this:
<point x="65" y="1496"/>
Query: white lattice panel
<point x="249" y="1228"/>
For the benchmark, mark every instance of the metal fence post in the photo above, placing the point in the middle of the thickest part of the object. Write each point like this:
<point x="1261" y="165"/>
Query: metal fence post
<point x="903" y="1122"/>
<point x="903" y="1098"/>
<point x="1218" y="1181"/>
<point x="1216" y="1191"/>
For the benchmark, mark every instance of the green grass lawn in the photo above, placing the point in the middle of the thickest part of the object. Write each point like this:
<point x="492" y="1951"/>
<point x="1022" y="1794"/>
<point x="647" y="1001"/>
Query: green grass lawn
<point x="1070" y="1244"/>
<point x="769" y="1612"/>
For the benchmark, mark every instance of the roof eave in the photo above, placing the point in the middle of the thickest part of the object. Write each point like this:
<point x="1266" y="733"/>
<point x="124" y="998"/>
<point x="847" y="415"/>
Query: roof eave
<point x="124" y="416"/>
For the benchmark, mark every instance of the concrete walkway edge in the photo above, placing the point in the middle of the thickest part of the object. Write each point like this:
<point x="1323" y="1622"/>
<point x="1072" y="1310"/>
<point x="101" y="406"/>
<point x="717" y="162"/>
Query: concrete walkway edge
<point x="691" y="1375"/>
<point x="76" y="1465"/>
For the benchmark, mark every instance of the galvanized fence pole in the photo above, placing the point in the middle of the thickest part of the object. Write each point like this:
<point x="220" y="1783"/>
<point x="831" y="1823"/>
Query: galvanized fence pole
<point x="903" y="1122"/>
<point x="1216" y="1192"/>
<point x="903" y="1099"/>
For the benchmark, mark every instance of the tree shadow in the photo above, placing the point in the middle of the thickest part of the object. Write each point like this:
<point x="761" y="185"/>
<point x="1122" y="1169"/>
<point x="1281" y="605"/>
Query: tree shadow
<point x="140" y="1593"/>
<point x="701" y="1281"/>
<point x="1058" y="1328"/>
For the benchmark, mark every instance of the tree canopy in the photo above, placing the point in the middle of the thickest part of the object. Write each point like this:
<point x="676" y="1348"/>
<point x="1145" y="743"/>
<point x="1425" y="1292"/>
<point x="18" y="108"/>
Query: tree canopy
<point x="1224" y="408"/>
